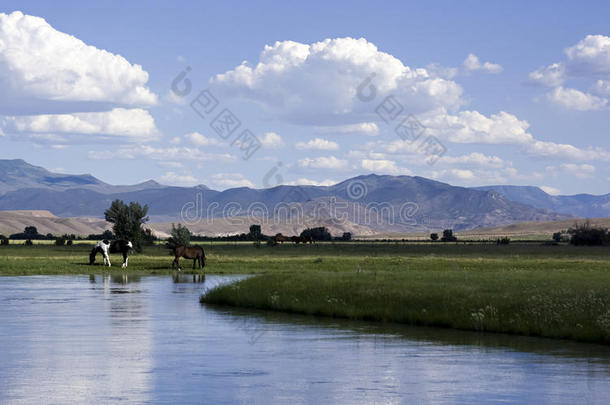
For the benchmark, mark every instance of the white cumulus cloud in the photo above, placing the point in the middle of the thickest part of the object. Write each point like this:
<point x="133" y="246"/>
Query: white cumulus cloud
<point x="323" y="162"/>
<point x="384" y="166"/>
<point x="550" y="190"/>
<point x="230" y="180"/>
<point x="271" y="140"/>
<point x="318" y="144"/>
<point x="198" y="139"/>
<point x="472" y="63"/>
<point x="367" y="128"/>
<point x="319" y="83"/>
<point x="42" y="70"/>
<point x="130" y="123"/>
<point x="573" y="99"/>
<point x="549" y="76"/>
<point x="176" y="179"/>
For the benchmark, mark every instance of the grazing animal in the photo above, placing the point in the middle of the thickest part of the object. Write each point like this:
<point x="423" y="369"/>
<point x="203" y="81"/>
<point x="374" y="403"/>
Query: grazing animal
<point x="105" y="247"/>
<point x="281" y="239"/>
<point x="189" y="252"/>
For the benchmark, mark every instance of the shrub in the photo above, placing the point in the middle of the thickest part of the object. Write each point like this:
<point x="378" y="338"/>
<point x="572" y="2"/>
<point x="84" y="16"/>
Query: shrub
<point x="320" y="233"/>
<point x="180" y="236"/>
<point x="448" y="236"/>
<point x="60" y="241"/>
<point x="69" y="242"/>
<point x="503" y="241"/>
<point x="587" y="235"/>
<point x="434" y="236"/>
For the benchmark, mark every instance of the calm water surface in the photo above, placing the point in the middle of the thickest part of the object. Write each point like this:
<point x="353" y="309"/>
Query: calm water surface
<point x="96" y="339"/>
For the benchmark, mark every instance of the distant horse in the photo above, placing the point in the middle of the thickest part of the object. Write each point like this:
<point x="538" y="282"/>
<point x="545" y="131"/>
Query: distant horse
<point x="105" y="247"/>
<point x="189" y="252"/>
<point x="281" y="238"/>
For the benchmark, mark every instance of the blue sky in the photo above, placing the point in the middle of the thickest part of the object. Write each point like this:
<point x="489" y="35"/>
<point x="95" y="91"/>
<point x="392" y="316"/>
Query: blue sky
<point x="505" y="93"/>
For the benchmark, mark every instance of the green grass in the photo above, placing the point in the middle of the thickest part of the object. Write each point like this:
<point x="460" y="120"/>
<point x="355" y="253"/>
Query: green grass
<point x="533" y="289"/>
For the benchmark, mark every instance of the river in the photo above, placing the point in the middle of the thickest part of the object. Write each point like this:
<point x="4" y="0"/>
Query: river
<point x="119" y="339"/>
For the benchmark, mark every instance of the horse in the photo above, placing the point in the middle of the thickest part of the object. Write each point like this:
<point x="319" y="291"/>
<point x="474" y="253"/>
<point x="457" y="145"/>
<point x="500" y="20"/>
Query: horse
<point x="281" y="239"/>
<point x="116" y="246"/>
<point x="189" y="252"/>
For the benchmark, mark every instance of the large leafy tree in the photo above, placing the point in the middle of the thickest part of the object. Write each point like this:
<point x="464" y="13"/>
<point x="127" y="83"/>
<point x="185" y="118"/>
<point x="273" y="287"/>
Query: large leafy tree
<point x="127" y="221"/>
<point x="180" y="236"/>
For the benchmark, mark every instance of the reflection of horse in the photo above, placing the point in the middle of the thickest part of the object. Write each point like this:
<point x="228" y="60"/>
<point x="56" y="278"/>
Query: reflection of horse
<point x="189" y="252"/>
<point x="105" y="247"/>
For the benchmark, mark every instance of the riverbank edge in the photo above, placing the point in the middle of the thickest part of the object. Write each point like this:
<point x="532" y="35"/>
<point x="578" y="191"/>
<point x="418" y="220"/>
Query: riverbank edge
<point x="305" y="297"/>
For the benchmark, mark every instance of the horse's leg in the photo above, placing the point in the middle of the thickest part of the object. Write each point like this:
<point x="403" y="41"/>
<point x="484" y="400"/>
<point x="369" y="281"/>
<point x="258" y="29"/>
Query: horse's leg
<point x="175" y="263"/>
<point x="194" y="262"/>
<point x="124" y="260"/>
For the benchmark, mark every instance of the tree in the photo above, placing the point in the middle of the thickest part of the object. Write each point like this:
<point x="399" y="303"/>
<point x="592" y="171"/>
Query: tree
<point x="180" y="236"/>
<point x="255" y="232"/>
<point x="347" y="236"/>
<point x="128" y="221"/>
<point x="107" y="235"/>
<point x="448" y="236"/>
<point x="434" y="236"/>
<point x="557" y="237"/>
<point x="320" y="233"/>
<point x="586" y="234"/>
<point x="30" y="230"/>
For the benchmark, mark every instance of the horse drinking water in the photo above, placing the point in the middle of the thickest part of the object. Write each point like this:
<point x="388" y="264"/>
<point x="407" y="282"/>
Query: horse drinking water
<point x="116" y="246"/>
<point x="189" y="252"/>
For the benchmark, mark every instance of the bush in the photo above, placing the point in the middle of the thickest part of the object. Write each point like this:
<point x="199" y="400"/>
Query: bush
<point x="4" y="241"/>
<point x="69" y="242"/>
<point x="320" y="233"/>
<point x="448" y="236"/>
<point x="503" y="241"/>
<point x="587" y="235"/>
<point x="434" y="236"/>
<point x="60" y="241"/>
<point x="180" y="236"/>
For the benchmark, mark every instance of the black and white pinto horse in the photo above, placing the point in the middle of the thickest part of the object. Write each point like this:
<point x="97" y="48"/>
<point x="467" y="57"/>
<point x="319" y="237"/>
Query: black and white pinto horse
<point x="105" y="247"/>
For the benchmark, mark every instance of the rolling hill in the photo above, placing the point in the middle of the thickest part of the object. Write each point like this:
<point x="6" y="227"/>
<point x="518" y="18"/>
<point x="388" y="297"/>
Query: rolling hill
<point x="366" y="204"/>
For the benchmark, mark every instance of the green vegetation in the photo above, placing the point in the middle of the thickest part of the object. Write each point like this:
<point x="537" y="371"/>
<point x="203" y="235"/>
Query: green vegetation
<point x="534" y="289"/>
<point x="127" y="222"/>
<point x="180" y="236"/>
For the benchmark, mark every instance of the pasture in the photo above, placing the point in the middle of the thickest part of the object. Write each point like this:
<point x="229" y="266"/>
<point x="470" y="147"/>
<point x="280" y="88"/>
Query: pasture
<point x="534" y="289"/>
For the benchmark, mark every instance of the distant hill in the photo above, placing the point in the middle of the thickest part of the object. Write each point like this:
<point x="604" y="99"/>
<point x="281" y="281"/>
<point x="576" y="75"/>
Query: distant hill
<point x="582" y="205"/>
<point x="368" y="204"/>
<point x="17" y="174"/>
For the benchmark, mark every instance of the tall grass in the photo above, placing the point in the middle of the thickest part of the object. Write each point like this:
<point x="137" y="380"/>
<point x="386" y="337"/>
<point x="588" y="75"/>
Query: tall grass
<point x="564" y="302"/>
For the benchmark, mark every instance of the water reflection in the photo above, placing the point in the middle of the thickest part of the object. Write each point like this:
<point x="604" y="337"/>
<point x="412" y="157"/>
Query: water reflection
<point x="187" y="278"/>
<point x="80" y="340"/>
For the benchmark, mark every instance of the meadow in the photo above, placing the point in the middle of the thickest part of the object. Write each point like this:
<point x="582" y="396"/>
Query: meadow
<point x="537" y="289"/>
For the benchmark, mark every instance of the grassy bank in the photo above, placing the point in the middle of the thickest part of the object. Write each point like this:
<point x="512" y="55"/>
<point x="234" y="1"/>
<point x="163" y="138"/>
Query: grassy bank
<point x="559" y="302"/>
<point x="534" y="289"/>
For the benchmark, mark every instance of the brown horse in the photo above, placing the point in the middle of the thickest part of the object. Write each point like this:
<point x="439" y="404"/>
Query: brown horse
<point x="189" y="252"/>
<point x="281" y="239"/>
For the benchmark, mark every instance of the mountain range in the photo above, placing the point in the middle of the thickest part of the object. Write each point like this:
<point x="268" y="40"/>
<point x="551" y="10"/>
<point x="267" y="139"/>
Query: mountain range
<point x="366" y="204"/>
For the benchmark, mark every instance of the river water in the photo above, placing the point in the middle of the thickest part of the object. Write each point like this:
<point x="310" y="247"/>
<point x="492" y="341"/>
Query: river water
<point x="101" y="339"/>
